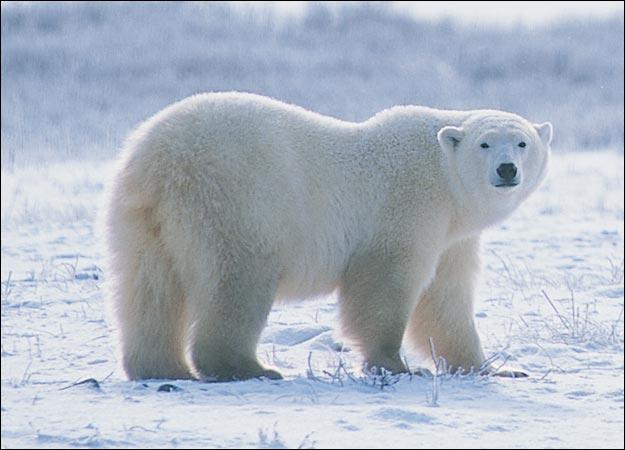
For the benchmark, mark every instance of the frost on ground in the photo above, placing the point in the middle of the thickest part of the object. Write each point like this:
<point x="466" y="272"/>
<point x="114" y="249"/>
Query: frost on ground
<point x="551" y="303"/>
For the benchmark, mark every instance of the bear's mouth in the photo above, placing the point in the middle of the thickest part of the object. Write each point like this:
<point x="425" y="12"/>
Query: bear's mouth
<point x="507" y="184"/>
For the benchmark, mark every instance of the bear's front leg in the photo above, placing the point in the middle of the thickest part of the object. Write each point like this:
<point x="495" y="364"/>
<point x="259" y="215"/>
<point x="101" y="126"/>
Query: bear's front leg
<point x="377" y="294"/>
<point x="445" y="313"/>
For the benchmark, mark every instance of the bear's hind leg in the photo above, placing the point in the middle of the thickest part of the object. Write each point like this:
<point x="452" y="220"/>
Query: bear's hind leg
<point x="149" y="302"/>
<point x="228" y="321"/>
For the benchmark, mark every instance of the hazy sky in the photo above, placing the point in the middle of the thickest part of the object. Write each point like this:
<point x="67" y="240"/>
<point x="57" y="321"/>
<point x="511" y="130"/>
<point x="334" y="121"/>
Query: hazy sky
<point x="504" y="13"/>
<point x="509" y="12"/>
<point x="493" y="12"/>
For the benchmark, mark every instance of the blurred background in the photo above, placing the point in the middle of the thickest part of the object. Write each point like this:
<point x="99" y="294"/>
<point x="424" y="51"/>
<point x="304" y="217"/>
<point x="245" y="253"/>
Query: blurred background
<point x="77" y="77"/>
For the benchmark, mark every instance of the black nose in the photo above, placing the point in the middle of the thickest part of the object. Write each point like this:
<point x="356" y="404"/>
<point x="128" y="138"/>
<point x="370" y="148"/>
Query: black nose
<point x="507" y="171"/>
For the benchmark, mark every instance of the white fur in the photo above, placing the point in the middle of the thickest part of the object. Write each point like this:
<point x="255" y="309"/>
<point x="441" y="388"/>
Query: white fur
<point x="224" y="202"/>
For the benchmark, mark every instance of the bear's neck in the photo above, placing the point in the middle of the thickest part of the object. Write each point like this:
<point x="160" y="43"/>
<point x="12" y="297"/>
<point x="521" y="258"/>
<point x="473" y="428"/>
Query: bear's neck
<point x="470" y="217"/>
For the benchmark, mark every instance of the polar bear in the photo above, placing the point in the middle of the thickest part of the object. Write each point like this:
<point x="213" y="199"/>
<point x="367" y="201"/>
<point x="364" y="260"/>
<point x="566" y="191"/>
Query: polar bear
<point x="224" y="202"/>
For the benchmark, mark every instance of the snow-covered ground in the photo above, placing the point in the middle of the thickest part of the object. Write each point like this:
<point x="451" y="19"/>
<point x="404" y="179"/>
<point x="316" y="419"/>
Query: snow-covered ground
<point x="550" y="302"/>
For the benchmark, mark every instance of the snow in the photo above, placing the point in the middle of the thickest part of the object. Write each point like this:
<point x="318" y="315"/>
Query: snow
<point x="550" y="303"/>
<point x="76" y="77"/>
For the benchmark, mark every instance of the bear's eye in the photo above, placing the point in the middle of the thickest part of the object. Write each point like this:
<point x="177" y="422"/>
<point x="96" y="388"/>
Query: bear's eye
<point x="484" y="145"/>
<point x="522" y="144"/>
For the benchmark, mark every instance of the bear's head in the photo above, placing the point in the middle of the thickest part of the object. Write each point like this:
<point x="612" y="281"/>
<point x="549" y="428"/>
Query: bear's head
<point x="496" y="160"/>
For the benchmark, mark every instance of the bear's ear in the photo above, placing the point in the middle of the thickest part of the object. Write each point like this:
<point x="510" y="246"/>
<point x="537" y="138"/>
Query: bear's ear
<point x="545" y="131"/>
<point x="450" y="137"/>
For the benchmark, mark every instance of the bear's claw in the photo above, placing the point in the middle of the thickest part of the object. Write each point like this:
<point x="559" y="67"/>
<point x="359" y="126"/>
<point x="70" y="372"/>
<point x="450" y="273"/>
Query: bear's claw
<point x="271" y="375"/>
<point x="510" y="374"/>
